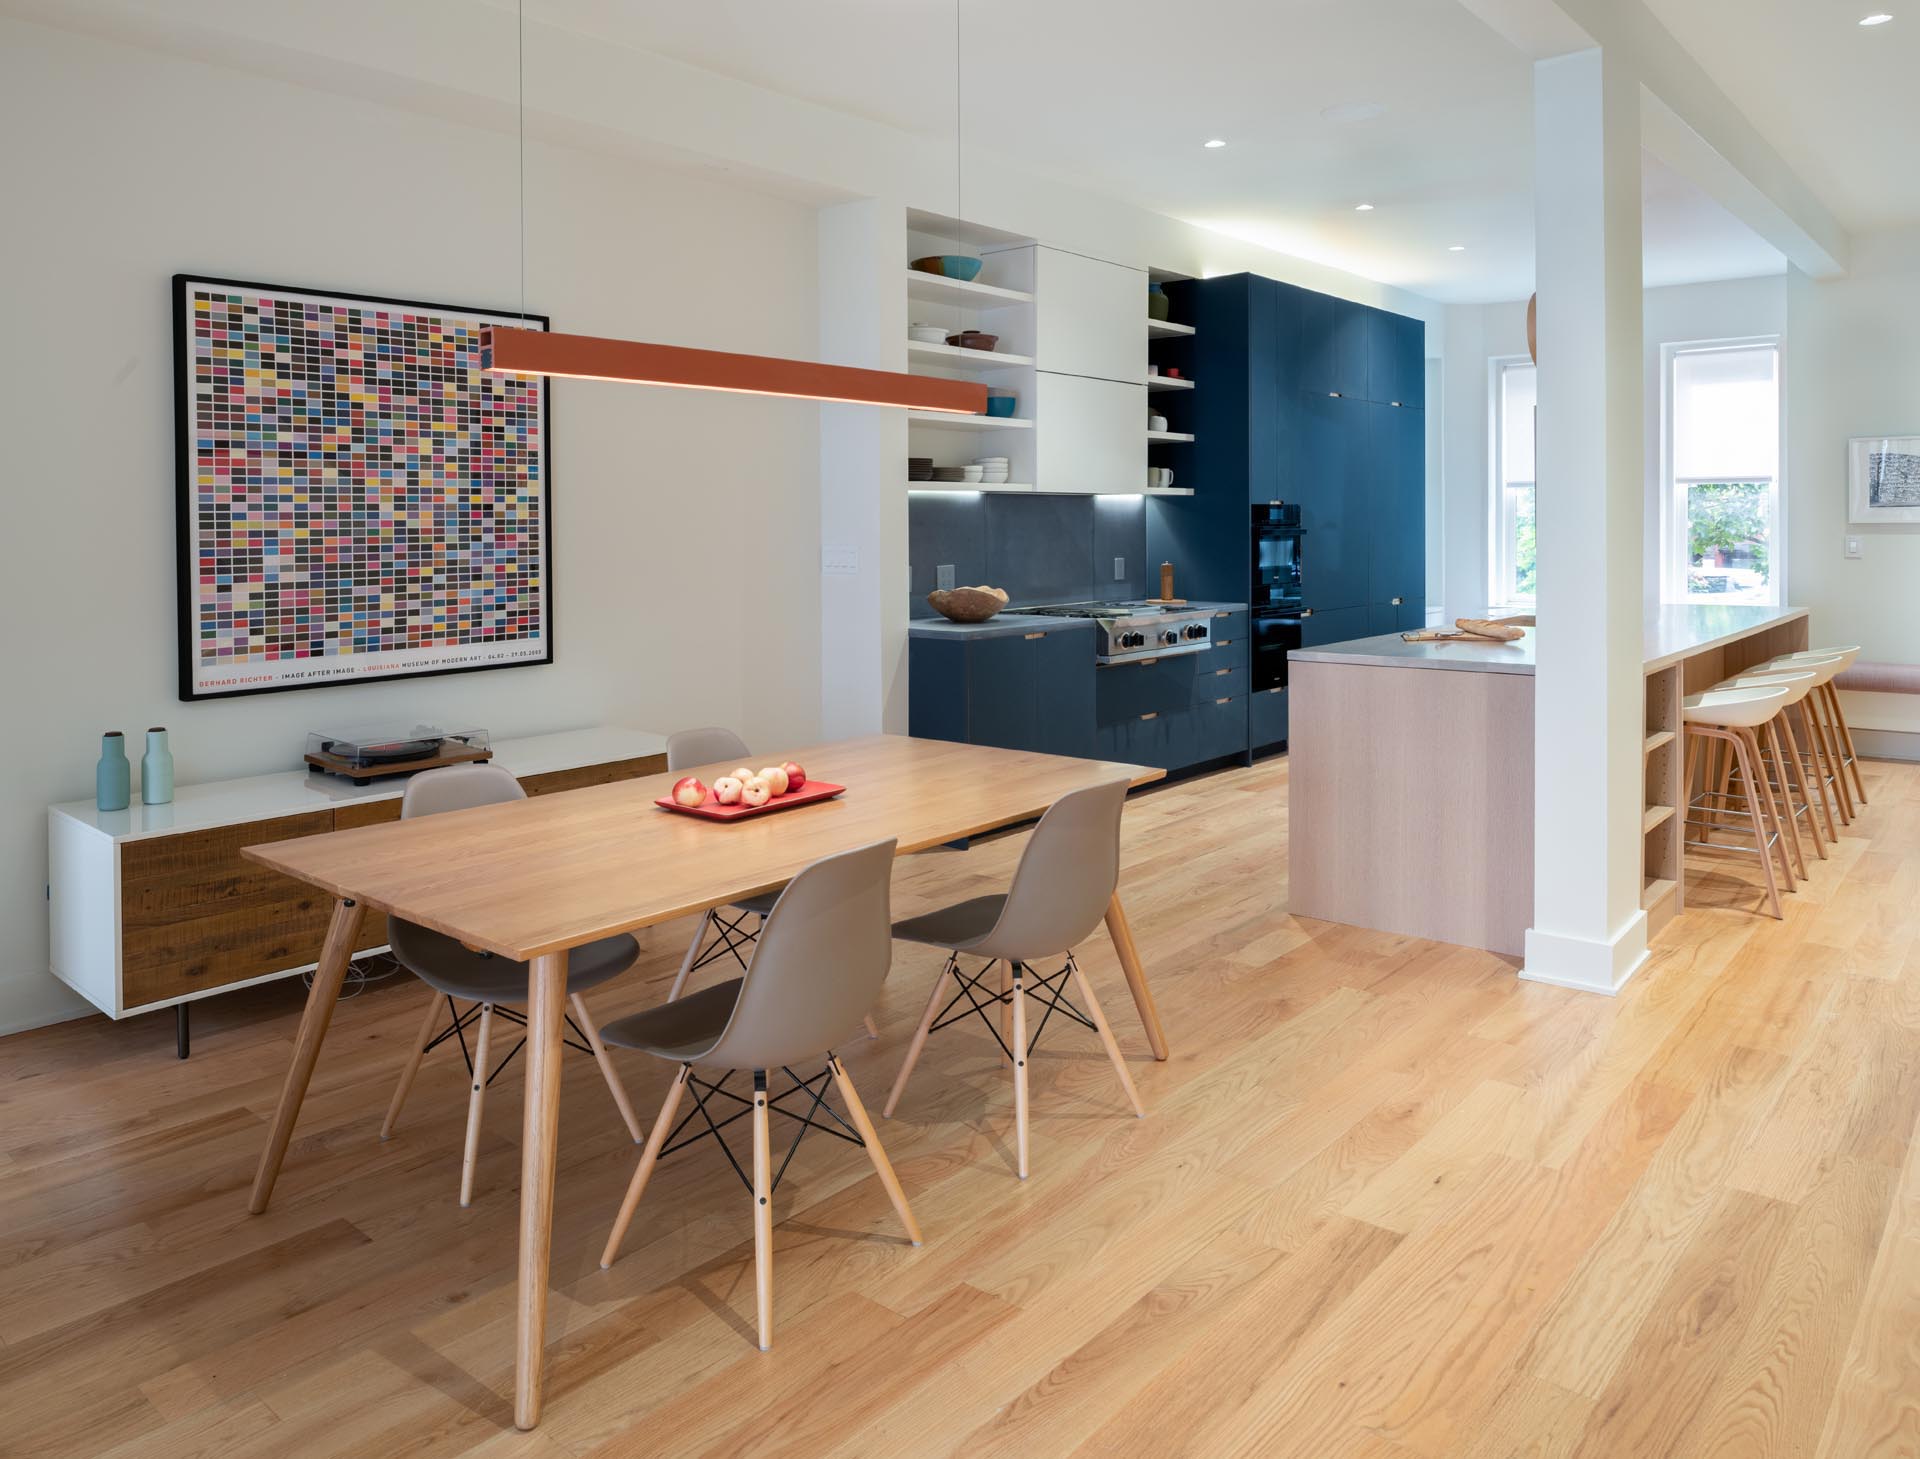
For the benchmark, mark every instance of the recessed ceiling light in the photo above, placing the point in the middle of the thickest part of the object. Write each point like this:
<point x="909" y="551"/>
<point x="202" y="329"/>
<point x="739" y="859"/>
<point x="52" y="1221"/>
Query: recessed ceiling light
<point x="1363" y="207"/>
<point x="1215" y="142"/>
<point x="1353" y="111"/>
<point x="1878" y="18"/>
<point x="1456" y="248"/>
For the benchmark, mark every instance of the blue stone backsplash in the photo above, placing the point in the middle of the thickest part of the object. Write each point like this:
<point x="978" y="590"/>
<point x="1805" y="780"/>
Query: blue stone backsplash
<point x="1039" y="547"/>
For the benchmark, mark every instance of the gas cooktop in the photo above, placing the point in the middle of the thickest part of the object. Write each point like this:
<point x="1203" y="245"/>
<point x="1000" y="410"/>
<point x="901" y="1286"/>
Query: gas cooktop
<point x="1138" y="629"/>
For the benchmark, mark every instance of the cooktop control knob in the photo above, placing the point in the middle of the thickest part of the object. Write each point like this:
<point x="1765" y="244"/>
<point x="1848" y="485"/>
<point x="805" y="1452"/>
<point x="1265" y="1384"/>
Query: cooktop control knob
<point x="1196" y="630"/>
<point x="1132" y="639"/>
<point x="1169" y="636"/>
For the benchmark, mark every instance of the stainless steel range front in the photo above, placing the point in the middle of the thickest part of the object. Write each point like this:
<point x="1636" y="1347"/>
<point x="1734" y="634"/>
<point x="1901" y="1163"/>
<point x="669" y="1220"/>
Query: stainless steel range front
<point x="1138" y="630"/>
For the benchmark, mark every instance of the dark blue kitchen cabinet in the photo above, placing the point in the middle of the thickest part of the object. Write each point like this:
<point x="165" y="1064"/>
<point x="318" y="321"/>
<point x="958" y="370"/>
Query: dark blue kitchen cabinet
<point x="1334" y="343"/>
<point x="1409" y="357"/>
<point x="1332" y="485"/>
<point x="1318" y="626"/>
<point x="1031" y="692"/>
<point x="1267" y="718"/>
<point x="1396" y="513"/>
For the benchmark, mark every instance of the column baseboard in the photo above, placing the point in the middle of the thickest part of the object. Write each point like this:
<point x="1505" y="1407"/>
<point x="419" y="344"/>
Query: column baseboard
<point x="1586" y="964"/>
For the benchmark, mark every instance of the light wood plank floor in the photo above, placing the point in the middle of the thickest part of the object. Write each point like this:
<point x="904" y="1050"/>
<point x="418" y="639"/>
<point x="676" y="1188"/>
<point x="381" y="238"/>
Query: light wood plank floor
<point x="1388" y="1202"/>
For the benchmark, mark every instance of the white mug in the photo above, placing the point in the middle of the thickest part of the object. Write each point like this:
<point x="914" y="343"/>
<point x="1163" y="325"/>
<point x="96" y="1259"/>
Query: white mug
<point x="1159" y="477"/>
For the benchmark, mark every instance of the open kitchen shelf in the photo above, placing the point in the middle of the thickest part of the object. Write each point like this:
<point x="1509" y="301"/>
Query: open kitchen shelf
<point x="1176" y="438"/>
<point x="969" y="486"/>
<point x="1166" y="329"/>
<point x="1656" y="740"/>
<point x="1163" y="382"/>
<point x="1168" y="491"/>
<point x="953" y="356"/>
<point x="1654" y="816"/>
<point x="938" y="289"/>
<point x="941" y="421"/>
<point x="1654" y="891"/>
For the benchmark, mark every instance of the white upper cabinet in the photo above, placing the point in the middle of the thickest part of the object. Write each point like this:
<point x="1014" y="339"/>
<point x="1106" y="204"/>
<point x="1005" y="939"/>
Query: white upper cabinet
<point x="1089" y="317"/>
<point x="1090" y="435"/>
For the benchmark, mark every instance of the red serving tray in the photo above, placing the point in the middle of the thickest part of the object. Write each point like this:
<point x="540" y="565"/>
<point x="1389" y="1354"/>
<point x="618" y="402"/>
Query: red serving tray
<point x="712" y="811"/>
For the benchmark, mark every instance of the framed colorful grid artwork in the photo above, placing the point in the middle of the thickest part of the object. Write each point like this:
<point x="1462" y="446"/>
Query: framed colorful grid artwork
<point x="357" y="500"/>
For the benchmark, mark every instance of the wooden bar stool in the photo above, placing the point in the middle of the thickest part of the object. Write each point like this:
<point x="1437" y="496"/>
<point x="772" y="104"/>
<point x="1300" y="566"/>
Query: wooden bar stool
<point x="1730" y="717"/>
<point x="1826" y="748"/>
<point x="1785" y="763"/>
<point x="1837" y="716"/>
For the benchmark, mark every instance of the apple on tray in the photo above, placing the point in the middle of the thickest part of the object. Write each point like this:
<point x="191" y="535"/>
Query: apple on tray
<point x="756" y="792"/>
<point x="728" y="789"/>
<point x="688" y="791"/>
<point x="743" y="773"/>
<point x="776" y="777"/>
<point x="796" y="777"/>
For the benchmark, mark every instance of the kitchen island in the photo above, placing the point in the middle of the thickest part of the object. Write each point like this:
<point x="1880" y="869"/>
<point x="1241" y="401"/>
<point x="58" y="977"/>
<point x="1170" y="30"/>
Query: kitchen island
<point x="1410" y="803"/>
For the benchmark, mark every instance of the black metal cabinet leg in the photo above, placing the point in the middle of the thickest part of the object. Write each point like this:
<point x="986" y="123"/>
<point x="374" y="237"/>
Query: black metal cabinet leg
<point x="181" y="1039"/>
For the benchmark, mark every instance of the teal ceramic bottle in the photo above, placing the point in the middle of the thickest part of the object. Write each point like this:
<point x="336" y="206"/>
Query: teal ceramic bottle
<point x="156" y="768"/>
<point x="113" y="776"/>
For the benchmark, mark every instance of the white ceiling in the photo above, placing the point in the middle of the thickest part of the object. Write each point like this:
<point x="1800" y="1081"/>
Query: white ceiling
<point x="1837" y="101"/>
<point x="1118" y="95"/>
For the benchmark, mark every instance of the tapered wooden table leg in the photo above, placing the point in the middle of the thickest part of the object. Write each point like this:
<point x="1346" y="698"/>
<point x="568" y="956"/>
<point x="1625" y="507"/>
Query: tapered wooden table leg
<point x="1122" y="936"/>
<point x="546" y="1020"/>
<point x="336" y="954"/>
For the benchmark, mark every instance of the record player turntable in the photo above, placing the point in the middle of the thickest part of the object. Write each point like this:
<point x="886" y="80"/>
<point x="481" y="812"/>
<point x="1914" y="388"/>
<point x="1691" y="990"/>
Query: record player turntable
<point x="366" y="755"/>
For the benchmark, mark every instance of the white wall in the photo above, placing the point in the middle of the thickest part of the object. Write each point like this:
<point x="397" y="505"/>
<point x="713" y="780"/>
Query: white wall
<point x="1854" y="370"/>
<point x="687" y="524"/>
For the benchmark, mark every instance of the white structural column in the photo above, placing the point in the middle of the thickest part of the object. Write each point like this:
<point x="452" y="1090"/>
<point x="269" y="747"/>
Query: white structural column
<point x="863" y="470"/>
<point x="1588" y="930"/>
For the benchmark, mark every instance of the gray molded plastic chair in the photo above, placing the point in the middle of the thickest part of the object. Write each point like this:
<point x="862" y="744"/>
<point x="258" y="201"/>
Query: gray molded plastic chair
<point x="688" y="750"/>
<point x="492" y="985"/>
<point x="1060" y="891"/>
<point x="819" y="962"/>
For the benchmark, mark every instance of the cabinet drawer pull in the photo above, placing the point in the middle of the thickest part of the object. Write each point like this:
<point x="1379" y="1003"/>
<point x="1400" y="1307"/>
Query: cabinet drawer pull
<point x="1221" y="673"/>
<point x="1395" y="404"/>
<point x="1223" y="701"/>
<point x="1225" y="613"/>
<point x="1223" y="643"/>
<point x="1031" y="636"/>
<point x="1306" y="612"/>
<point x="1154" y="715"/>
<point x="1396" y="603"/>
<point x="1333" y="395"/>
<point x="1144" y="662"/>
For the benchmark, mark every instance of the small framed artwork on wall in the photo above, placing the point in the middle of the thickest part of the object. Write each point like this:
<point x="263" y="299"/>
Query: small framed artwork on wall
<point x="356" y="498"/>
<point x="1883" y="480"/>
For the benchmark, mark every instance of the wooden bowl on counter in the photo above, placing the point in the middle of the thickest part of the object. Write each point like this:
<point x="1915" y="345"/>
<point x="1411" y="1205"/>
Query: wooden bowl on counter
<point x="967" y="605"/>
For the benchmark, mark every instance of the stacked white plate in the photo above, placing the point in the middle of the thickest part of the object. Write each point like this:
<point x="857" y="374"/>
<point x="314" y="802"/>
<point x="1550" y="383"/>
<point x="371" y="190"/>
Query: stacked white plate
<point x="993" y="469"/>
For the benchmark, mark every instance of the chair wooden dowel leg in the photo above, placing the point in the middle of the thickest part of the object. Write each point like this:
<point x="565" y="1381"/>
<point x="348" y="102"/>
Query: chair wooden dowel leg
<point x="1844" y="732"/>
<point x="919" y="1040"/>
<point x="1006" y="1003"/>
<point x="1129" y="955"/>
<point x="1107" y="1040"/>
<point x="649" y="1156"/>
<point x="1830" y="753"/>
<point x="1759" y="819"/>
<point x="607" y="1071"/>
<point x="873" y="1029"/>
<point x="693" y="952"/>
<point x="1783" y="799"/>
<point x="882" y="1167"/>
<point x="762" y="1213"/>
<point x="1694" y="746"/>
<point x="476" y="1099"/>
<point x="1020" y="1067"/>
<point x="1806" y="785"/>
<point x="1827" y="804"/>
<point x="412" y="1066"/>
<point x="1781" y="847"/>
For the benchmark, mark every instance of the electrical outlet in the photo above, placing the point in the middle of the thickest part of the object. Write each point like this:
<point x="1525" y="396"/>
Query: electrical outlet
<point x="943" y="576"/>
<point x="1855" y="548"/>
<point x="1119" y="568"/>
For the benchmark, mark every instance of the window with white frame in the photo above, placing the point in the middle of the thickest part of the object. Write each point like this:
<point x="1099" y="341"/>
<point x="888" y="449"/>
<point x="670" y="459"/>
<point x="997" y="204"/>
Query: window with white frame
<point x="1511" y="517"/>
<point x="1721" y="539"/>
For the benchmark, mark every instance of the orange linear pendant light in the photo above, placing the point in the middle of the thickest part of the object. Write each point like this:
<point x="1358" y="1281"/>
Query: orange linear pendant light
<point x="587" y="357"/>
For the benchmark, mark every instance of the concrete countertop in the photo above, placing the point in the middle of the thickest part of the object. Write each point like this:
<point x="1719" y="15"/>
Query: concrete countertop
<point x="1003" y="625"/>
<point x="1674" y="631"/>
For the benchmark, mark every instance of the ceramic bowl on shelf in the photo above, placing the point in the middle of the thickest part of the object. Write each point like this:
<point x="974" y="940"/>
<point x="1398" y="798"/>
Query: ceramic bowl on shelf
<point x="973" y="339"/>
<point x="949" y="265"/>
<point x="1001" y="402"/>
<point x="972" y="474"/>
<point x="949" y="473"/>
<point x="927" y="333"/>
<point x="967" y="605"/>
<point x="1156" y="422"/>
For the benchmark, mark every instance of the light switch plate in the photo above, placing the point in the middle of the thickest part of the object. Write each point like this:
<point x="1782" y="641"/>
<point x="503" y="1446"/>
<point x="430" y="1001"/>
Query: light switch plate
<point x="1855" y="548"/>
<point x="1119" y="568"/>
<point x="840" y="561"/>
<point x="943" y="576"/>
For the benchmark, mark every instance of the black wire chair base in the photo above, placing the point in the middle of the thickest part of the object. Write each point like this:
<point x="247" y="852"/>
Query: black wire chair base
<point x="734" y="937"/>
<point x="463" y="1021"/>
<point x="703" y="1091"/>
<point x="1049" y="991"/>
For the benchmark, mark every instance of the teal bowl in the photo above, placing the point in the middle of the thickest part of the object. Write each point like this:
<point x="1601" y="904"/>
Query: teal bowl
<point x="1001" y="404"/>
<point x="949" y="265"/>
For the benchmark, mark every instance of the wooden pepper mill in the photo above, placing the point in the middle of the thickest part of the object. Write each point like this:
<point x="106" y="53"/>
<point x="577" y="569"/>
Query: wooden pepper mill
<point x="1166" y="582"/>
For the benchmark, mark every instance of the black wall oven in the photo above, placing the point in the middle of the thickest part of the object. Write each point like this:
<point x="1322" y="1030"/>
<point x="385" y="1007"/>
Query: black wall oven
<point x="1276" y="597"/>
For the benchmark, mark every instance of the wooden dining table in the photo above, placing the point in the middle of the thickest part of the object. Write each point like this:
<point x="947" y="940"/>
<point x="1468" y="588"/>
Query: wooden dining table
<point x="530" y="879"/>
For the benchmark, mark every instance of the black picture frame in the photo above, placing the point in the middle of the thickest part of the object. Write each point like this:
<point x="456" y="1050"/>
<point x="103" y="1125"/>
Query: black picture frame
<point x="183" y="285"/>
